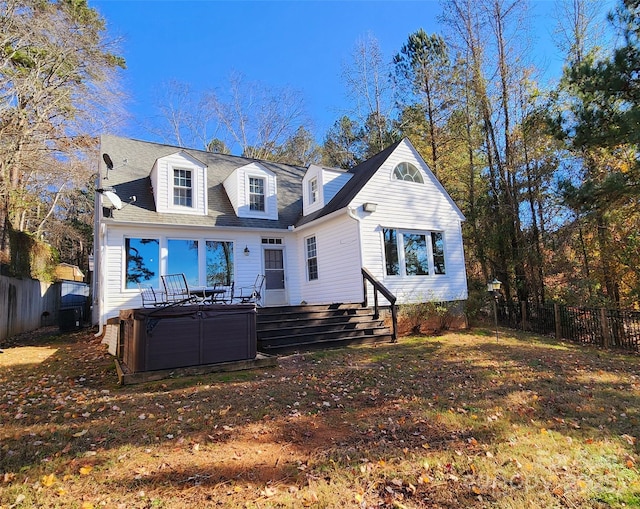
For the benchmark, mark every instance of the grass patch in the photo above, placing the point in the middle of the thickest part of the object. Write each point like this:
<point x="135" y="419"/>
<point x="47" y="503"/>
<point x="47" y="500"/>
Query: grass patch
<point x="461" y="420"/>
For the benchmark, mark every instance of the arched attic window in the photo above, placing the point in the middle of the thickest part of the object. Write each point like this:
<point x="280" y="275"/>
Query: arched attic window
<point x="407" y="171"/>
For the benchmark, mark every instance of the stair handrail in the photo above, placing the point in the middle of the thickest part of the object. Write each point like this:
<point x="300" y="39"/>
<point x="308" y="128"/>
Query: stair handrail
<point x="379" y="287"/>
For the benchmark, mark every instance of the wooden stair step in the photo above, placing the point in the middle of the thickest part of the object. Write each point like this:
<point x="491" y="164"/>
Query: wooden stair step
<point x="317" y="326"/>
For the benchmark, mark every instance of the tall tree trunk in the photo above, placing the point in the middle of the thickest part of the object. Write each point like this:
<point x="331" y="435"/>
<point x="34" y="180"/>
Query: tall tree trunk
<point x="604" y="246"/>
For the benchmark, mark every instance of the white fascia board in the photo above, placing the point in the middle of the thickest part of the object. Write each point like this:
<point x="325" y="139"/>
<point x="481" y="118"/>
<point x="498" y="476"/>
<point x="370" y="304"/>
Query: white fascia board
<point x="126" y="224"/>
<point x="320" y="220"/>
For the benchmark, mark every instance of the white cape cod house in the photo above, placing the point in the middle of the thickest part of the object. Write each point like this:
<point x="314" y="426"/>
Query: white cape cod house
<point x="311" y="231"/>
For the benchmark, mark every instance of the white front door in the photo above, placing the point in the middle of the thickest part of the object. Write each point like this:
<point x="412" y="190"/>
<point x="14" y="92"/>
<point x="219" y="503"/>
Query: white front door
<point x="275" y="293"/>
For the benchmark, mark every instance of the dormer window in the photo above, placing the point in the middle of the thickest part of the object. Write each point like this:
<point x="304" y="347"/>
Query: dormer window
<point x="179" y="183"/>
<point x="182" y="188"/>
<point x="256" y="194"/>
<point x="408" y="172"/>
<point x="313" y="190"/>
<point x="253" y="191"/>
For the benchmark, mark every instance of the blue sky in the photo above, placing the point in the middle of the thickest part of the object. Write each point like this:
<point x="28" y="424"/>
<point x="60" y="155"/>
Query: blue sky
<point x="301" y="44"/>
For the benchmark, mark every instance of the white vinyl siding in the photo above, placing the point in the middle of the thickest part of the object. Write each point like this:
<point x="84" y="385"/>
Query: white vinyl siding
<point x="333" y="183"/>
<point x="408" y="206"/>
<point x="340" y="277"/>
<point x="328" y="183"/>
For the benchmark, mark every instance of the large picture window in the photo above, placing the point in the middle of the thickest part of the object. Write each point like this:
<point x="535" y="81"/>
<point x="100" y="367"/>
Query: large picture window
<point x="183" y="258"/>
<point x="182" y="188"/>
<point x="416" y="259"/>
<point x="412" y="254"/>
<point x="142" y="262"/>
<point x="256" y="194"/>
<point x="219" y="262"/>
<point x="312" y="259"/>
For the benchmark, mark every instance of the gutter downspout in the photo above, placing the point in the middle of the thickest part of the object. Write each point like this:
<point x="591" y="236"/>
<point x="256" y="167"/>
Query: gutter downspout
<point x="99" y="281"/>
<point x="351" y="212"/>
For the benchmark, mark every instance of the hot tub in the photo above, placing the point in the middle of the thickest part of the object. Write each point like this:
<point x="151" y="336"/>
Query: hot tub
<point x="181" y="336"/>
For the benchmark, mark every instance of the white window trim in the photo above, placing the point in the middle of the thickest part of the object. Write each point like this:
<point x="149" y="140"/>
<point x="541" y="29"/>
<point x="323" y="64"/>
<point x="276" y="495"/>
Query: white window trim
<point x="314" y="196"/>
<point x="163" y="256"/>
<point x="202" y="258"/>
<point x="401" y="253"/>
<point x="123" y="279"/>
<point x="265" y="179"/>
<point x="393" y="173"/>
<point x="194" y="193"/>
<point x="307" y="258"/>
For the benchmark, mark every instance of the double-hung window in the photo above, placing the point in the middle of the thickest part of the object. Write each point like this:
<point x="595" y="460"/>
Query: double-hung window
<point x="312" y="259"/>
<point x="313" y="190"/>
<point x="409" y="253"/>
<point x="256" y="194"/>
<point x="182" y="188"/>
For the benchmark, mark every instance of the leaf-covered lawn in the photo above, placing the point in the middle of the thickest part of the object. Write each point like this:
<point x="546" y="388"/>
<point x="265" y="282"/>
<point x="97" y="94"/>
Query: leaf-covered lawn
<point x="460" y="420"/>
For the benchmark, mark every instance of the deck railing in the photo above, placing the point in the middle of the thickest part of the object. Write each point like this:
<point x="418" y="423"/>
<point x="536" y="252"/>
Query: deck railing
<point x="378" y="287"/>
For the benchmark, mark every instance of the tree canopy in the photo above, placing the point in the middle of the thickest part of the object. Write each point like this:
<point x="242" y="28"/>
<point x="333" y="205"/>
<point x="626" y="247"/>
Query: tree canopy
<point x="58" y="89"/>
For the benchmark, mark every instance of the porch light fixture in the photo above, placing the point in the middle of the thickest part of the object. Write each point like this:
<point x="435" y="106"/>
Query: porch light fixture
<point x="246" y="250"/>
<point x="493" y="287"/>
<point x="369" y="206"/>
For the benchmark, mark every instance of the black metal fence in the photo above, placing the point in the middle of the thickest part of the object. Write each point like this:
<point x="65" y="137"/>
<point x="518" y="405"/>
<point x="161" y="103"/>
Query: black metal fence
<point x="608" y="328"/>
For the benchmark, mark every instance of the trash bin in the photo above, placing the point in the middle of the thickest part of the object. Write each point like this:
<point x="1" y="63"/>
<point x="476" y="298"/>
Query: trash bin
<point x="70" y="319"/>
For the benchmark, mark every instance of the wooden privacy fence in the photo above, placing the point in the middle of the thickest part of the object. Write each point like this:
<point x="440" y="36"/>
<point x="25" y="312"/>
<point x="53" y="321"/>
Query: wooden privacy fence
<point x="608" y="328"/>
<point x="26" y="304"/>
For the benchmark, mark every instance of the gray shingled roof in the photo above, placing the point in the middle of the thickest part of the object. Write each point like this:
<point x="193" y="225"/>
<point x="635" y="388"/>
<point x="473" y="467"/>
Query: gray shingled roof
<point x="132" y="179"/>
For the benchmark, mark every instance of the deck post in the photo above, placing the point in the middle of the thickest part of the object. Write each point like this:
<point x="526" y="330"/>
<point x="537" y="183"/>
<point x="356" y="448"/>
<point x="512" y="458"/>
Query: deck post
<point x="365" y="302"/>
<point x="394" y="321"/>
<point x="376" y="309"/>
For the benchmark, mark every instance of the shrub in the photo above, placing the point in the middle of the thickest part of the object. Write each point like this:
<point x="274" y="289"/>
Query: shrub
<point x="421" y="316"/>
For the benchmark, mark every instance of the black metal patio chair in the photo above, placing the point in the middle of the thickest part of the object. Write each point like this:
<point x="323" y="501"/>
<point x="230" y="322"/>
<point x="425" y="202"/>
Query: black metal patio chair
<point x="150" y="297"/>
<point x="177" y="290"/>
<point x="253" y="293"/>
<point x="222" y="294"/>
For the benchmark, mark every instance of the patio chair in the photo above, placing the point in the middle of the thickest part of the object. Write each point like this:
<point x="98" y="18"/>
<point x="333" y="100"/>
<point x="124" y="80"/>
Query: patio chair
<point x="151" y="298"/>
<point x="223" y="294"/>
<point x="247" y="294"/>
<point x="176" y="289"/>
